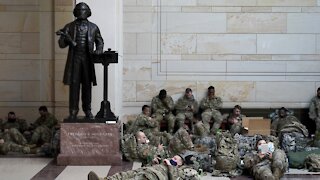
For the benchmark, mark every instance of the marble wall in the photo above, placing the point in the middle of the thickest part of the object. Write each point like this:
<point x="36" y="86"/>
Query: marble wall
<point x="257" y="53"/>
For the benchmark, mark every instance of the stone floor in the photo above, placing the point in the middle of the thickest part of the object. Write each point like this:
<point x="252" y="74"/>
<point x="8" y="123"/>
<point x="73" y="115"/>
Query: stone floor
<point x="35" y="168"/>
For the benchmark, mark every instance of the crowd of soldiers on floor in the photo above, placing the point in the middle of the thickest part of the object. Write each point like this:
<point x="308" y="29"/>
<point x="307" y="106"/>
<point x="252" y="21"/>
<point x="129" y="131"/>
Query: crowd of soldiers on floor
<point x="208" y="141"/>
<point x="41" y="138"/>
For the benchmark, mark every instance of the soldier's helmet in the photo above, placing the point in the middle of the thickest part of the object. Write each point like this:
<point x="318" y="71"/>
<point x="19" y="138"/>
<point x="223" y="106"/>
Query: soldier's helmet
<point x="82" y="10"/>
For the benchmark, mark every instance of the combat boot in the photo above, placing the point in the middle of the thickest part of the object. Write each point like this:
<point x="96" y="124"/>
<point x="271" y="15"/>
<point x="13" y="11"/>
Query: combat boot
<point x="93" y="176"/>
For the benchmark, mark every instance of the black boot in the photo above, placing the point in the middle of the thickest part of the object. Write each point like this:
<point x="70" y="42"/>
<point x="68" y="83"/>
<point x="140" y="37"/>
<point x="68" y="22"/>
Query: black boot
<point x="89" y="115"/>
<point x="73" y="115"/>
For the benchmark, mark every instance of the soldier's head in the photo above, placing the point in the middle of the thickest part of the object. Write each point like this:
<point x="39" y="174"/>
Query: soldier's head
<point x="146" y="110"/>
<point x="43" y="110"/>
<point x="211" y="92"/>
<point x="236" y="110"/>
<point x="12" y="117"/>
<point x="141" y="138"/>
<point x="318" y="92"/>
<point x="176" y="161"/>
<point x="260" y="141"/>
<point x="162" y="94"/>
<point x="188" y="93"/>
<point x="82" y="11"/>
<point x="283" y="112"/>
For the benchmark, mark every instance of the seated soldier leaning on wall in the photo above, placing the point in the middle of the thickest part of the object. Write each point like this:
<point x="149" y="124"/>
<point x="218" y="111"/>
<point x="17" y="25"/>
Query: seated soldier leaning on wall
<point x="7" y="145"/>
<point x="234" y="121"/>
<point x="173" y="168"/>
<point x="42" y="128"/>
<point x="266" y="162"/>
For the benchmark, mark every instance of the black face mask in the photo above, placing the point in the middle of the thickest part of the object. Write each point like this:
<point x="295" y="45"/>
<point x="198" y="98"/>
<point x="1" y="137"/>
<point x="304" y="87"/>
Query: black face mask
<point x="12" y="120"/>
<point x="173" y="163"/>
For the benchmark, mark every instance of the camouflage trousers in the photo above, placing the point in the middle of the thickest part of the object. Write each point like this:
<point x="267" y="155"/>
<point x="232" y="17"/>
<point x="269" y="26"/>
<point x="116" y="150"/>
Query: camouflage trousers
<point x="182" y="116"/>
<point x="41" y="133"/>
<point x="180" y="142"/>
<point x="13" y="147"/>
<point x="169" y="118"/>
<point x="145" y="173"/>
<point x="157" y="138"/>
<point x="200" y="129"/>
<point x="236" y="128"/>
<point x="14" y="135"/>
<point x="213" y="114"/>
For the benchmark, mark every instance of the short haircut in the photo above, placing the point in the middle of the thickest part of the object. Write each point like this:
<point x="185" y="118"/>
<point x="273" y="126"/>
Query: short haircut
<point x="237" y="107"/>
<point x="162" y="93"/>
<point x="318" y="89"/>
<point x="211" y="87"/>
<point x="188" y="90"/>
<point x="43" y="108"/>
<point x="11" y="112"/>
<point x="144" y="107"/>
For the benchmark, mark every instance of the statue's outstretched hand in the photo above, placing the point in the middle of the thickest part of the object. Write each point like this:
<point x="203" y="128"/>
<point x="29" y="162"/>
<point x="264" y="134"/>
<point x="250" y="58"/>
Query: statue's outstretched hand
<point x="98" y="51"/>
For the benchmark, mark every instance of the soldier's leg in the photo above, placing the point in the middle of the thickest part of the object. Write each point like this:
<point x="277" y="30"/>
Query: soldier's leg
<point x="206" y="118"/>
<point x="17" y="137"/>
<point x="158" y="117"/>
<point x="279" y="163"/>
<point x="217" y="120"/>
<point x="18" y="148"/>
<point x="180" y="118"/>
<point x="262" y="172"/>
<point x="200" y="130"/>
<point x="41" y="133"/>
<point x="4" y="148"/>
<point x="235" y="128"/>
<point x="189" y="116"/>
<point x="171" y="122"/>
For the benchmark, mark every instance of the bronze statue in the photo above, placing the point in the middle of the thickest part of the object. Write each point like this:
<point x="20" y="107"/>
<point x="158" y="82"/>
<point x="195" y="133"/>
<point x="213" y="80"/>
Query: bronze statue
<point x="80" y="35"/>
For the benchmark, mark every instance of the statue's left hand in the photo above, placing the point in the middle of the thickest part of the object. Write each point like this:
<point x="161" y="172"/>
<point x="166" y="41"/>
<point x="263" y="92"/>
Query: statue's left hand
<point x="98" y="51"/>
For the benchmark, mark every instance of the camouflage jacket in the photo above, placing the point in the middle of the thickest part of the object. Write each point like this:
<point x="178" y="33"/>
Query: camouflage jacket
<point x="49" y="120"/>
<point x="19" y="124"/>
<point x="180" y="142"/>
<point x="183" y="105"/>
<point x="146" y="153"/>
<point x="279" y="123"/>
<point x="142" y="123"/>
<point x="314" y="109"/>
<point x="211" y="104"/>
<point x="161" y="107"/>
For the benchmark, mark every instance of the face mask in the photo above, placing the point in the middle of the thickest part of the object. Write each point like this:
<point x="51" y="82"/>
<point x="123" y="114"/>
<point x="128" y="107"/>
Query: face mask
<point x="173" y="162"/>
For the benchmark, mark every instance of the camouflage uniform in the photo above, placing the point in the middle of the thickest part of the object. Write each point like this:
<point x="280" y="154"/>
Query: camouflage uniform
<point x="210" y="107"/>
<point x="314" y="111"/>
<point x="279" y="123"/>
<point x="265" y="168"/>
<point x="146" y="153"/>
<point x="184" y="111"/>
<point x="180" y="142"/>
<point x="236" y="127"/>
<point x="9" y="145"/>
<point x="143" y="123"/>
<point x="43" y="129"/>
<point x="15" y="136"/>
<point x="160" y="171"/>
<point x="19" y="124"/>
<point x="200" y="129"/>
<point x="163" y="111"/>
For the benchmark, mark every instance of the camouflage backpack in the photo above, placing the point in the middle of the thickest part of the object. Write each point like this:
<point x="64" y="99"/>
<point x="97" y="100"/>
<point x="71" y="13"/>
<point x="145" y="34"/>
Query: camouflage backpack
<point x="129" y="147"/>
<point x="312" y="162"/>
<point x="227" y="154"/>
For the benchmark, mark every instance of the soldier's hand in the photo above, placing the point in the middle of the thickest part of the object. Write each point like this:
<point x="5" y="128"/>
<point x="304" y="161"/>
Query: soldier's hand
<point x="1" y="141"/>
<point x="167" y="162"/>
<point x="156" y="160"/>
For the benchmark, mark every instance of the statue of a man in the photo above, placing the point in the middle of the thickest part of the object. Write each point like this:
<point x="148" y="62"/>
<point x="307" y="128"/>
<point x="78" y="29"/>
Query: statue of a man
<point x="80" y="35"/>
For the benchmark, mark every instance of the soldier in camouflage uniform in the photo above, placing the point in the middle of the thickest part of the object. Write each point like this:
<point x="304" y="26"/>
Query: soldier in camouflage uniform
<point x="186" y="107"/>
<point x="281" y="121"/>
<point x="7" y="145"/>
<point x="162" y="106"/>
<point x="210" y="106"/>
<point x="172" y="168"/>
<point x="270" y="165"/>
<point x="234" y="121"/>
<point x="43" y="127"/>
<point x="144" y="122"/>
<point x="180" y="142"/>
<point x="314" y="110"/>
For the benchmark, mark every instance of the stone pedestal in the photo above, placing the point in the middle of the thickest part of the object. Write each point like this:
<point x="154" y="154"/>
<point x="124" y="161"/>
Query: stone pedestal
<point x="89" y="144"/>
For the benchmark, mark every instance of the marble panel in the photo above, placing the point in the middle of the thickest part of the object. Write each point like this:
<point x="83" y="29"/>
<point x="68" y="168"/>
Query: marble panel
<point x="256" y="9"/>
<point x="139" y="9"/>
<point x="270" y="77"/>
<point x="286" y="44"/>
<point x="227" y="2"/>
<point x="46" y="30"/>
<point x="226" y="9"/>
<point x="225" y="57"/>
<point x="46" y="5"/>
<point x="193" y="66"/>
<point x="256" y="23"/>
<point x="30" y="91"/>
<point x="286" y="3"/>
<point x="311" y="9"/>
<point x="64" y="2"/>
<point x="256" y="66"/>
<point x="19" y="2"/>
<point x="195" y="23"/>
<point x="139" y="22"/>
<point x="24" y="8"/>
<point x="61" y="91"/>
<point x="10" y="90"/>
<point x="256" y="57"/>
<point x="30" y="43"/>
<point x="178" y="2"/>
<point x="226" y="44"/>
<point x="10" y="43"/>
<point x="286" y="57"/>
<point x="195" y="57"/>
<point x="144" y="43"/>
<point x="137" y="70"/>
<point x="20" y="70"/>
<point x="308" y="78"/>
<point x="129" y="91"/>
<point x="284" y="91"/>
<point x="129" y="2"/>
<point x="146" y="90"/>
<point x="286" y="9"/>
<point x="61" y="19"/>
<point x="167" y="9"/>
<point x="59" y="66"/>
<point x="130" y="43"/>
<point x="178" y="43"/>
<point x="46" y="80"/>
<point x="303" y="22"/>
<point x="19" y="22"/>
<point x="303" y="66"/>
<point x="318" y="44"/>
<point x="195" y="9"/>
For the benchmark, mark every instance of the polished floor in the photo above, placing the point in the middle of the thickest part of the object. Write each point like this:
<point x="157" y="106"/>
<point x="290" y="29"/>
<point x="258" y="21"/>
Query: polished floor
<point x="35" y="168"/>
